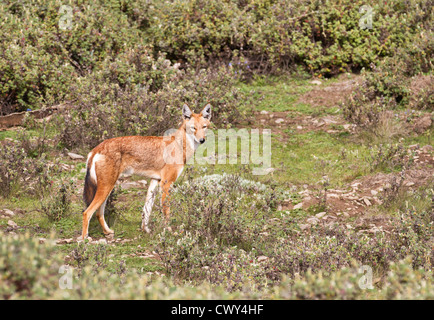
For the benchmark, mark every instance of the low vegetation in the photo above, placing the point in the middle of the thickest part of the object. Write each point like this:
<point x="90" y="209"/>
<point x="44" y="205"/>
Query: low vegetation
<point x="346" y="210"/>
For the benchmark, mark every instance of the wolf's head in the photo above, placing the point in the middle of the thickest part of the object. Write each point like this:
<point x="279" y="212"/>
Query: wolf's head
<point x="196" y="124"/>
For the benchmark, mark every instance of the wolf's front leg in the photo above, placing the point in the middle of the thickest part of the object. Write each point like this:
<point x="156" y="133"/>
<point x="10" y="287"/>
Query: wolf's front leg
<point x="150" y="197"/>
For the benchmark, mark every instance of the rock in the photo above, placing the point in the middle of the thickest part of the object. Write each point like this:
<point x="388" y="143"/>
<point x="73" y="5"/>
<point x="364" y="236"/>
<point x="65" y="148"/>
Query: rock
<point x="8" y="213"/>
<point x="374" y="193"/>
<point x="312" y="220"/>
<point x="262" y="258"/>
<point x="427" y="148"/>
<point x="264" y="112"/>
<point x="317" y="82"/>
<point x="129" y="185"/>
<point x="304" y="226"/>
<point x="269" y="170"/>
<point x="413" y="147"/>
<point x="280" y="120"/>
<point x="299" y="128"/>
<point x="409" y="184"/>
<point x="143" y="182"/>
<point x="75" y="156"/>
<point x="64" y="241"/>
<point x="320" y="215"/>
<point x="12" y="224"/>
<point x="356" y="184"/>
<point x="298" y="206"/>
<point x="367" y="202"/>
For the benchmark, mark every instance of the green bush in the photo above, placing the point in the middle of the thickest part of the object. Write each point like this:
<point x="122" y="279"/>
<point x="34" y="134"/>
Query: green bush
<point x="39" y="61"/>
<point x="30" y="270"/>
<point x="19" y="172"/>
<point x="147" y="103"/>
<point x="322" y="35"/>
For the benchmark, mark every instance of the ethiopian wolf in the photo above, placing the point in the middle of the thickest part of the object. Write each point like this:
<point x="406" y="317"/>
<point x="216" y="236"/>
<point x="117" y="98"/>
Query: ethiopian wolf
<point x="160" y="158"/>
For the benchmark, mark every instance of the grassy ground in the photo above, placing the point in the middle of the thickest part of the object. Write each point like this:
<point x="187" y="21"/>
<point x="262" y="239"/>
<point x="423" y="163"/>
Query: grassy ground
<point x="313" y="150"/>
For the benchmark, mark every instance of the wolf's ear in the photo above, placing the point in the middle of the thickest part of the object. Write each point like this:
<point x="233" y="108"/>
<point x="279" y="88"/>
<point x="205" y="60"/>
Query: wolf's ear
<point x="206" y="112"/>
<point x="186" y="112"/>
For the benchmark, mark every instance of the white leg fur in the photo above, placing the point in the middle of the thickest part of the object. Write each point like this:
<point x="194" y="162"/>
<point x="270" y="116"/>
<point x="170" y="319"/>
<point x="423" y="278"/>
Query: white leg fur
<point x="150" y="197"/>
<point x="101" y="212"/>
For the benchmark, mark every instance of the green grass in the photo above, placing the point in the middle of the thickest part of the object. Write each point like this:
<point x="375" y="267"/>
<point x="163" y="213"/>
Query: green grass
<point x="299" y="157"/>
<point x="277" y="94"/>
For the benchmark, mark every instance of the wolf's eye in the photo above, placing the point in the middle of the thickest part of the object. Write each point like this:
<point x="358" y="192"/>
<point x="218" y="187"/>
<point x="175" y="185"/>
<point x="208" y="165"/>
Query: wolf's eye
<point x="204" y="126"/>
<point x="193" y="128"/>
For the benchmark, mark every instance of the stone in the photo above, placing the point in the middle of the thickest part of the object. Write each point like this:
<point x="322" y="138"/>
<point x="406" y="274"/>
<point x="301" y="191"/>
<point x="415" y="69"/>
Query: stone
<point x="8" y="213"/>
<point x="75" y="156"/>
<point x="129" y="185"/>
<point x="298" y="206"/>
<point x="317" y="82"/>
<point x="264" y="112"/>
<point x="280" y="120"/>
<point x="64" y="241"/>
<point x="12" y="224"/>
<point x="262" y="258"/>
<point x="367" y="202"/>
<point x="427" y="148"/>
<point x="320" y="215"/>
<point x="143" y="182"/>
<point x="269" y="170"/>
<point x="312" y="220"/>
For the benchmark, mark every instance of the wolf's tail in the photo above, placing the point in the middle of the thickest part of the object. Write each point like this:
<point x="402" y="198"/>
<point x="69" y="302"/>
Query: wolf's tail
<point x="89" y="188"/>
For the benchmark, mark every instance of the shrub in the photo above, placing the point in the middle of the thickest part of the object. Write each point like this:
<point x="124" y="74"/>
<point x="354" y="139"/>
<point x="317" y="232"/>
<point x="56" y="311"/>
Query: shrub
<point x="39" y="60"/>
<point x="57" y="204"/>
<point x="324" y="36"/>
<point x="31" y="270"/>
<point x="20" y="172"/>
<point x="107" y="107"/>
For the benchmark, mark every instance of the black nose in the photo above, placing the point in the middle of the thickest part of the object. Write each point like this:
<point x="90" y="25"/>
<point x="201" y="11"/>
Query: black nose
<point x="202" y="140"/>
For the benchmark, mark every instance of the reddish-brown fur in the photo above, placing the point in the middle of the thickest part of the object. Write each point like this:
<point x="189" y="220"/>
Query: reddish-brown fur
<point x="144" y="156"/>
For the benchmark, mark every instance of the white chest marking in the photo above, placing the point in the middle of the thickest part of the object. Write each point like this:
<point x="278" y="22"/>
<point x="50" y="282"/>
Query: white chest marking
<point x="192" y="141"/>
